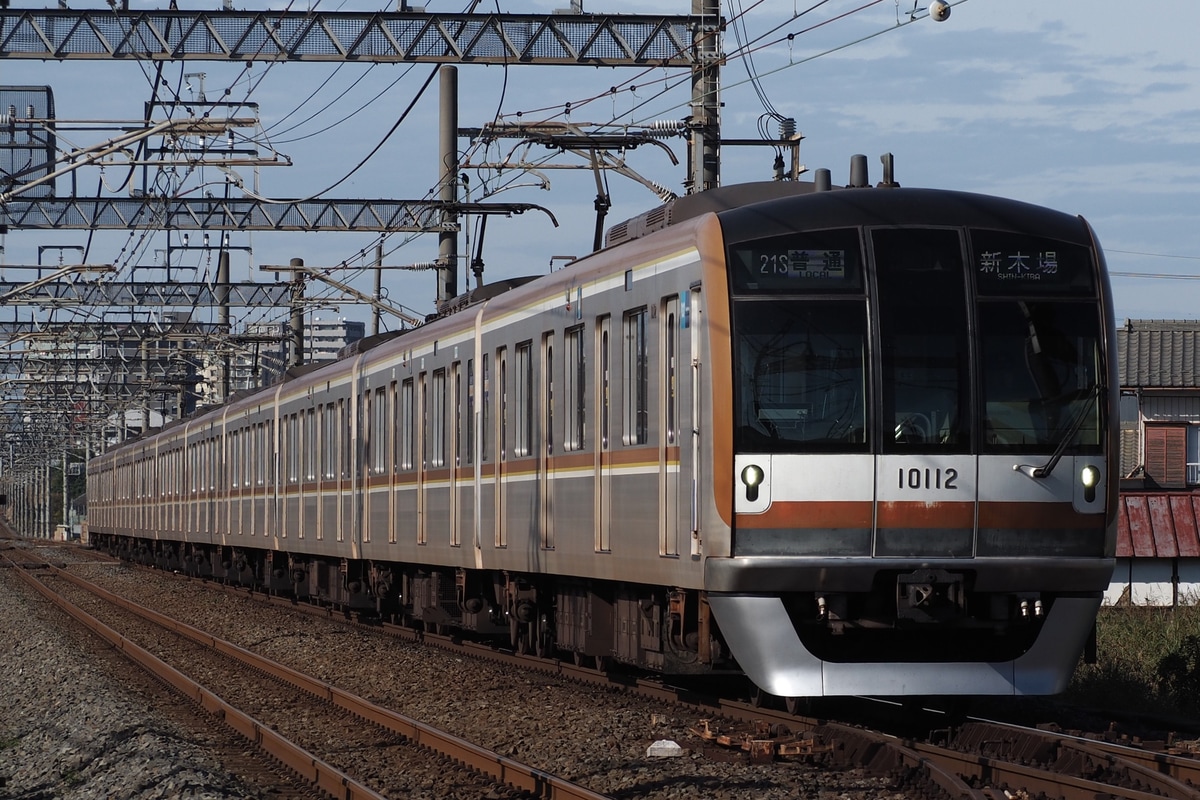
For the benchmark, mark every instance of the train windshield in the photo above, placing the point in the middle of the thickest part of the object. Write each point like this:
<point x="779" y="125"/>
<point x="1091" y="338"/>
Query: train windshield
<point x="802" y="375"/>
<point x="923" y="339"/>
<point x="1041" y="375"/>
<point x="1040" y="344"/>
<point x="983" y="341"/>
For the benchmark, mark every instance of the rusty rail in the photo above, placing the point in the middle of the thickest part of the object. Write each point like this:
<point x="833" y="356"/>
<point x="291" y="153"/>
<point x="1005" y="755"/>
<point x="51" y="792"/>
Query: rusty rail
<point x="500" y="768"/>
<point x="317" y="772"/>
<point x="1110" y="771"/>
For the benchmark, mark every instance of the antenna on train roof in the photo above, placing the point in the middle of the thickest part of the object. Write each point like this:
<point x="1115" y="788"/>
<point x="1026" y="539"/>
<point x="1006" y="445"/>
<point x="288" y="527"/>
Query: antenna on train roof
<point x="889" y="169"/>
<point x="859" y="179"/>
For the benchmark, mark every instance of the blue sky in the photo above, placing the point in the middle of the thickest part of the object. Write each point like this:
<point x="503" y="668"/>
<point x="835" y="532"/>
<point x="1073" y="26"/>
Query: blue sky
<point x="1089" y="106"/>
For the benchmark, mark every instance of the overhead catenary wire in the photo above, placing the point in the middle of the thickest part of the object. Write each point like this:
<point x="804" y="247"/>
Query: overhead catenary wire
<point x="170" y="181"/>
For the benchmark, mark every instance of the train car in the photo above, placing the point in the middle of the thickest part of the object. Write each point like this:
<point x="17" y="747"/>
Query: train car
<point x="844" y="441"/>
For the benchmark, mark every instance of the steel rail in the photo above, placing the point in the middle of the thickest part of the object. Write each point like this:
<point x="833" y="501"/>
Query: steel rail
<point x="1164" y="773"/>
<point x="320" y="774"/>
<point x="1126" y="773"/>
<point x="500" y="768"/>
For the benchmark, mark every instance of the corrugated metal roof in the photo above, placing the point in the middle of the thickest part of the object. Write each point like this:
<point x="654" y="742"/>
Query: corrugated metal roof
<point x="1158" y="525"/>
<point x="1159" y="353"/>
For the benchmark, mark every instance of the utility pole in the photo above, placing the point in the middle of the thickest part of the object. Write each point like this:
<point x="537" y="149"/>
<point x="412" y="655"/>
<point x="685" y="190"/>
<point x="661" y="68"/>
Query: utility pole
<point x="297" y="319"/>
<point x="223" y="314"/>
<point x="447" y="270"/>
<point x="704" y="151"/>
<point x="377" y="313"/>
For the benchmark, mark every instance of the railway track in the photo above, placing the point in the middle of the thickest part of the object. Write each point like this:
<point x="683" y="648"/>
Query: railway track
<point x="975" y="759"/>
<point x="978" y="759"/>
<point x="80" y="721"/>
<point x="321" y="733"/>
<point x="1045" y="761"/>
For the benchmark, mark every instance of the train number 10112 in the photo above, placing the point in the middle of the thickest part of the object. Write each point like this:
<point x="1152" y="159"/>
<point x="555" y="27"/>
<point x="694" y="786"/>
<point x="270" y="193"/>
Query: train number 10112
<point x="927" y="478"/>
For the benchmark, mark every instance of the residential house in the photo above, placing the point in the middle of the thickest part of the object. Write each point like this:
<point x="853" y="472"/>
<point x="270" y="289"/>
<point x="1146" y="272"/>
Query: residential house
<point x="1158" y="540"/>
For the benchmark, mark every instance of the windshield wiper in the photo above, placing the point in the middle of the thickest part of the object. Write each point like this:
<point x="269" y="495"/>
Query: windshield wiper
<point x="1045" y="469"/>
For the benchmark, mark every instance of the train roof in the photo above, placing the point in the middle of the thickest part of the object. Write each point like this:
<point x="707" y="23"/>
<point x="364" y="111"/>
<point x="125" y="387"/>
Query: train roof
<point x="714" y="201"/>
<point x="754" y="209"/>
<point x="760" y="209"/>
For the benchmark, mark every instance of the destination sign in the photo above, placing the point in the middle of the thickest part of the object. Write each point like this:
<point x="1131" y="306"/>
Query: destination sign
<point x="819" y="261"/>
<point x="1009" y="263"/>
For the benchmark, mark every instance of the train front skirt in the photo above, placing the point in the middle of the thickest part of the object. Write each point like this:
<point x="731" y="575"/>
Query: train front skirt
<point x="759" y="630"/>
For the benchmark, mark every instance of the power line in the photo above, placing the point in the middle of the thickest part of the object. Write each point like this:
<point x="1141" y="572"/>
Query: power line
<point x="1155" y="276"/>
<point x="1149" y="255"/>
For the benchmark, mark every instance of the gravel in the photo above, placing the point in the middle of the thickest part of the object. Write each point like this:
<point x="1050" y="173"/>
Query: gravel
<point x="74" y="733"/>
<point x="69" y="730"/>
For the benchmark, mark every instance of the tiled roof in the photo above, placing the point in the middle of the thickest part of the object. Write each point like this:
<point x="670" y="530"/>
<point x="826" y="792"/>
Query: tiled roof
<point x="1159" y="353"/>
<point x="1158" y="525"/>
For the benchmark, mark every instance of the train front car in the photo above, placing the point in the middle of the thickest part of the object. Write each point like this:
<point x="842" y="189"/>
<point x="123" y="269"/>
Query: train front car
<point x="922" y="444"/>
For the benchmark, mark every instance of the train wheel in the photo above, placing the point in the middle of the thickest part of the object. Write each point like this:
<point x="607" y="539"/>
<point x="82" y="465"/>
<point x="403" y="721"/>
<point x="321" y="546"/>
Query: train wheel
<point x="518" y="634"/>
<point x="758" y="698"/>
<point x="579" y="658"/>
<point x="543" y="637"/>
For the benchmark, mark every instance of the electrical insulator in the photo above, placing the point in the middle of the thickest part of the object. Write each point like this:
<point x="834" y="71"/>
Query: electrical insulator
<point x="665" y="127"/>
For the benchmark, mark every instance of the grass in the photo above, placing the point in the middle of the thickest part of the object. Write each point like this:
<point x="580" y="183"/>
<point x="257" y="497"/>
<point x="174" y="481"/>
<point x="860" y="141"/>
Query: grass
<point x="1148" y="661"/>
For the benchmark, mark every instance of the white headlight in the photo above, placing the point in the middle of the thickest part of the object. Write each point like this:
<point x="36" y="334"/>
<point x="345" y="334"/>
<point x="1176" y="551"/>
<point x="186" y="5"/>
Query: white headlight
<point x="752" y="475"/>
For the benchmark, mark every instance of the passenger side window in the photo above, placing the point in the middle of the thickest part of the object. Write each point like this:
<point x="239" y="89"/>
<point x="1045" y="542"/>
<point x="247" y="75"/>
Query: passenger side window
<point x="636" y="379"/>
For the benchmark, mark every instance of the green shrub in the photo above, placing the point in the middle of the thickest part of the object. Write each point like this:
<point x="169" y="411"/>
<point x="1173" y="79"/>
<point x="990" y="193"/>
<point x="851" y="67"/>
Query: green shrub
<point x="1148" y="660"/>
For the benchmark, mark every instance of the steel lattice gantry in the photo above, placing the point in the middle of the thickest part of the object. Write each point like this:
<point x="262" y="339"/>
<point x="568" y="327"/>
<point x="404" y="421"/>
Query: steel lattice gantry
<point x="609" y="40"/>
<point x="82" y="293"/>
<point x="242" y="214"/>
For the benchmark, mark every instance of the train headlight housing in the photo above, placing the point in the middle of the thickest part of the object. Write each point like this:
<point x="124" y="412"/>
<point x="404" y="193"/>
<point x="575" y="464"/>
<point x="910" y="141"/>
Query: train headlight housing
<point x="1089" y="476"/>
<point x="752" y="476"/>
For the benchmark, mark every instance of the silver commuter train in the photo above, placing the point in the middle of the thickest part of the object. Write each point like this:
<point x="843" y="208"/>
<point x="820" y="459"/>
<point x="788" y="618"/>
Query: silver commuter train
<point x="855" y="441"/>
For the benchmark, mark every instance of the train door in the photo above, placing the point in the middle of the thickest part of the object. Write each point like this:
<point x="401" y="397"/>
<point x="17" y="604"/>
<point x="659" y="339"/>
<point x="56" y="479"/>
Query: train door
<point x="501" y="444"/>
<point x="546" y="450"/>
<point x="327" y="452"/>
<point x="237" y="459"/>
<point x="421" y="462"/>
<point x="926" y="462"/>
<point x="241" y="521"/>
<point x="388" y="434"/>
<point x="208" y="511"/>
<point x="191" y="475"/>
<point x="305" y="496"/>
<point x="344" y="468"/>
<point x="691" y="321"/>
<point x="668" y="443"/>
<point x="241" y="516"/>
<point x="252" y="515"/>
<point x="436" y="476"/>
<point x="404" y="509"/>
<point x="522" y="496"/>
<point x="458" y="507"/>
<point x="285" y="450"/>
<point x="257" y="509"/>
<point x="358" y="471"/>
<point x="485" y="491"/>
<point x="604" y="467"/>
<point x="276" y="474"/>
<point x="470" y="507"/>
